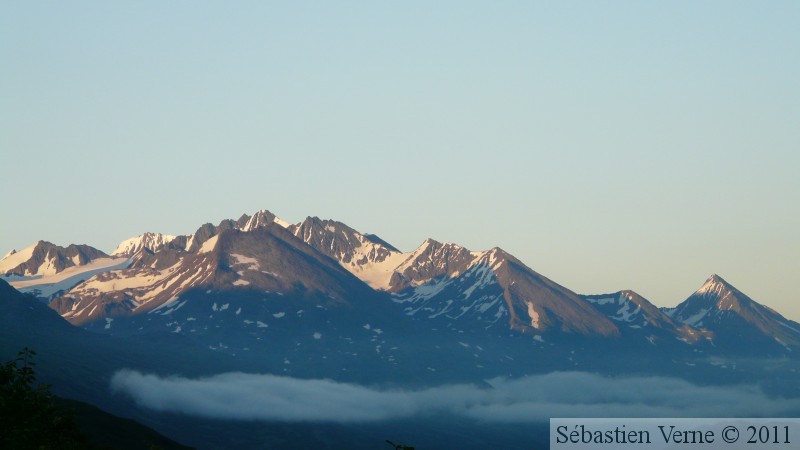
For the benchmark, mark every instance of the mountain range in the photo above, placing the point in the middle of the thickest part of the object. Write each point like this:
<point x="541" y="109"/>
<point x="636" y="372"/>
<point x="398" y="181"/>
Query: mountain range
<point x="319" y="299"/>
<point x="329" y="265"/>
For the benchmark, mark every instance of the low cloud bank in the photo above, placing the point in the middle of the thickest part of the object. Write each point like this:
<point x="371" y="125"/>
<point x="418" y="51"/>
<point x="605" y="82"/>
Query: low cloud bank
<point x="528" y="399"/>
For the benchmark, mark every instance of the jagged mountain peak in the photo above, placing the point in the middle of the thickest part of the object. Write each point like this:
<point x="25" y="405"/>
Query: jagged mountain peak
<point x="334" y="229"/>
<point x="630" y="307"/>
<point x="435" y="244"/>
<point x="260" y="219"/>
<point x="440" y="279"/>
<point x="314" y="223"/>
<point x="498" y="253"/>
<point x="431" y="260"/>
<point x="715" y="283"/>
<point x="383" y="266"/>
<point x="636" y="315"/>
<point x="342" y="242"/>
<point x="45" y="258"/>
<point x="430" y="241"/>
<point x="431" y="247"/>
<point x="317" y="224"/>
<point x="268" y="259"/>
<point x="368" y="257"/>
<point x="316" y="219"/>
<point x="148" y="240"/>
<point x="156" y="242"/>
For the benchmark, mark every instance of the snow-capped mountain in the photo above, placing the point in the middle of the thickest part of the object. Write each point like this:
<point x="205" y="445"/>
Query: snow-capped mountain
<point x="322" y="294"/>
<point x="433" y="260"/>
<point x="152" y="242"/>
<point x="260" y="268"/>
<point x="319" y="299"/>
<point x="154" y="268"/>
<point x="635" y="315"/>
<point x="733" y="316"/>
<point x="497" y="283"/>
<point x="45" y="259"/>
<point x="445" y="281"/>
<point x="366" y="256"/>
<point x="267" y="258"/>
<point x="46" y="270"/>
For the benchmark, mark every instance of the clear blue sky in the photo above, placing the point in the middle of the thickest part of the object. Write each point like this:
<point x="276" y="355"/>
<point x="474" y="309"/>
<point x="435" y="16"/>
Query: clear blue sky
<point x="609" y="145"/>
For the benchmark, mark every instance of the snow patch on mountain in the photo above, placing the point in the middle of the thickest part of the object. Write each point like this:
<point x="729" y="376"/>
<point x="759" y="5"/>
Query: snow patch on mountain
<point x="376" y="274"/>
<point x="261" y="219"/>
<point x="533" y="315"/>
<point x="164" y="305"/>
<point x="484" y="277"/>
<point x="14" y="259"/>
<point x="151" y="241"/>
<point x="473" y="295"/>
<point x="189" y="243"/>
<point x="242" y="260"/>
<point x="118" y="281"/>
<point x="282" y="222"/>
<point x="696" y="318"/>
<point x="208" y="246"/>
<point x="620" y="307"/>
<point x="425" y="291"/>
<point x="46" y="286"/>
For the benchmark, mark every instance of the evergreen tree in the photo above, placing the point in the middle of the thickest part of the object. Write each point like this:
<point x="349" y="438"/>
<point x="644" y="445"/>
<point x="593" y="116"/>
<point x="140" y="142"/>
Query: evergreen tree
<point x="28" y="417"/>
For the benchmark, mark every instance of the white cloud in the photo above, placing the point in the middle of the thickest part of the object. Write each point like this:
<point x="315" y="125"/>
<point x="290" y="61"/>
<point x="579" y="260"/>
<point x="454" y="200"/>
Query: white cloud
<point x="527" y="399"/>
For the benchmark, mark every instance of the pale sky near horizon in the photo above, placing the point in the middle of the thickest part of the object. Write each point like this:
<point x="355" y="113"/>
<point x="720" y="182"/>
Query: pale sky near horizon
<point x="608" y="145"/>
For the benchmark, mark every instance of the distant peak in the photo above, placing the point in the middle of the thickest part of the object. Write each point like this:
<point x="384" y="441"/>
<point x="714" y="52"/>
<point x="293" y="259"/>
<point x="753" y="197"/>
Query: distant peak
<point x="714" y="282"/>
<point x="260" y="219"/>
<point x="437" y="244"/>
<point x="716" y="286"/>
<point x="44" y="244"/>
<point x="431" y="241"/>
<point x="151" y="240"/>
<point x="329" y="226"/>
<point x="263" y="213"/>
<point x="427" y="245"/>
<point x="630" y="295"/>
<point x="498" y="251"/>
